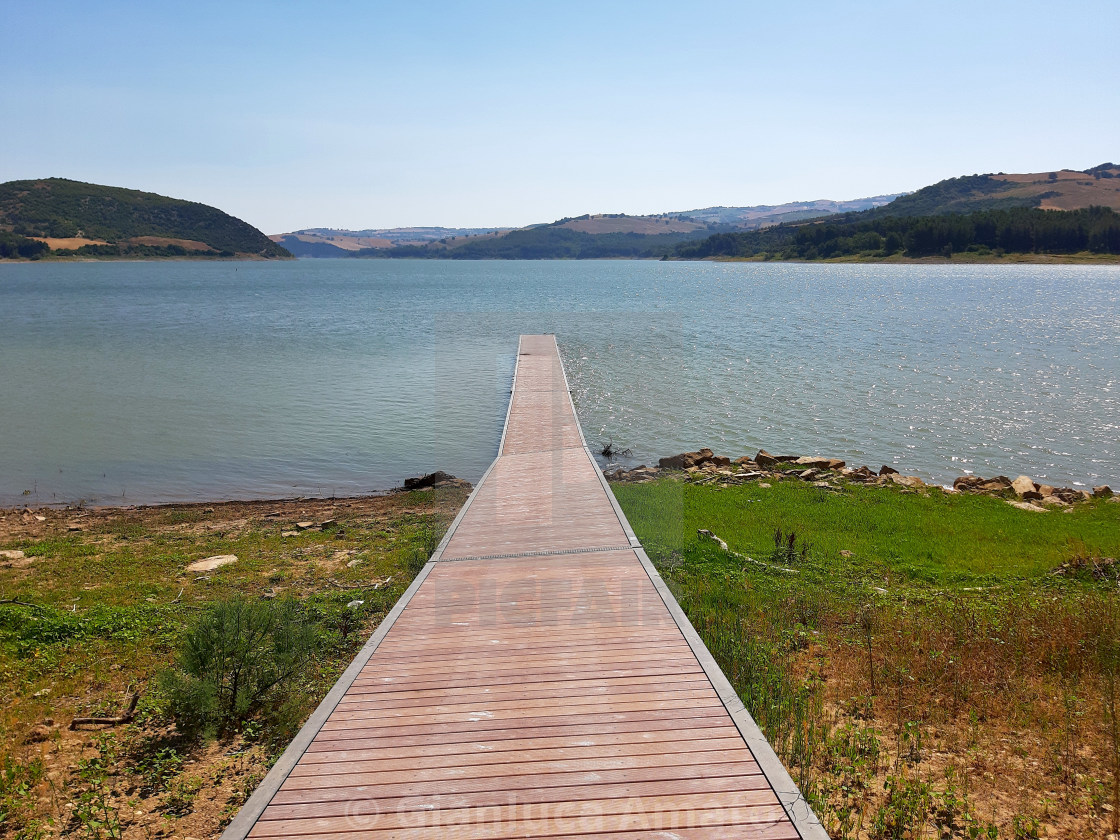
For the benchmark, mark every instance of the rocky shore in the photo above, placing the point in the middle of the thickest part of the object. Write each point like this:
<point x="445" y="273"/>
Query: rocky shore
<point x="705" y="467"/>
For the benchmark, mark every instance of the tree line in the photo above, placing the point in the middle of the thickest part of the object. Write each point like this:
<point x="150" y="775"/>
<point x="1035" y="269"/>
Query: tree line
<point x="989" y="232"/>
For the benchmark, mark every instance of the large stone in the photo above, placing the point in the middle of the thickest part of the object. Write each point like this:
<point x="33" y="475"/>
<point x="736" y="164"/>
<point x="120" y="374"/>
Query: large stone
<point x="836" y="464"/>
<point x="885" y="470"/>
<point x="209" y="564"/>
<point x="1045" y="490"/>
<point x="1027" y="506"/>
<point x="747" y="461"/>
<point x="1102" y="492"/>
<point x="906" y="480"/>
<point x="429" y="480"/>
<point x="996" y="485"/>
<point x="721" y="460"/>
<point x="1025" y="488"/>
<point x="686" y="460"/>
<point x="967" y="482"/>
<point x="765" y="459"/>
<point x="813" y="461"/>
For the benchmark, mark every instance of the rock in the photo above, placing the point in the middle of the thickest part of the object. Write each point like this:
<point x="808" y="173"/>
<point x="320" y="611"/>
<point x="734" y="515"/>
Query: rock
<point x="684" y="460"/>
<point x="1027" y="506"/>
<point x="967" y="482"/>
<point x="747" y="461"/>
<point x="705" y="534"/>
<point x="812" y="461"/>
<point x="885" y="470"/>
<point x="1068" y="495"/>
<point x="1044" y="490"/>
<point x="721" y="460"/>
<point x="12" y="554"/>
<point x="836" y="464"/>
<point x="906" y="480"/>
<point x="429" y="480"/>
<point x="810" y="474"/>
<point x="289" y="533"/>
<point x="845" y="553"/>
<point x="763" y="484"/>
<point x="765" y="459"/>
<point x="862" y="474"/>
<point x="209" y="564"/>
<point x="1024" y="487"/>
<point x="1053" y="501"/>
<point x="303" y="526"/>
<point x="1102" y="492"/>
<point x="327" y="523"/>
<point x="995" y="485"/>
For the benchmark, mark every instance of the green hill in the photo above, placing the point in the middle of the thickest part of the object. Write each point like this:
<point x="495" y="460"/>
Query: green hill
<point x="71" y="218"/>
<point x="984" y="216"/>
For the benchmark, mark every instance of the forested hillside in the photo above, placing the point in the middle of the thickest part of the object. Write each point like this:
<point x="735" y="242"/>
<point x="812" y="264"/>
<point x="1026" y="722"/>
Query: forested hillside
<point x="72" y="218"/>
<point x="869" y="235"/>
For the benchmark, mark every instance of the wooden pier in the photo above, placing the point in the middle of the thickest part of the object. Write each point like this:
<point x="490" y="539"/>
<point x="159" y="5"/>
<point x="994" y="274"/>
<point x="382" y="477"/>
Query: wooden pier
<point x="537" y="679"/>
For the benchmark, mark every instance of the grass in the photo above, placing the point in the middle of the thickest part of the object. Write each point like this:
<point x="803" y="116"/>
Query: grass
<point x="105" y="610"/>
<point x="937" y="538"/>
<point x="922" y="673"/>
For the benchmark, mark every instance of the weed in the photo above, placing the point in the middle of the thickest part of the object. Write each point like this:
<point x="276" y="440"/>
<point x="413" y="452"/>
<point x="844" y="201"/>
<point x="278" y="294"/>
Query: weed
<point x="904" y="811"/>
<point x="181" y="794"/>
<point x="17" y="781"/>
<point x="234" y="656"/>
<point x="159" y="769"/>
<point x="96" y="816"/>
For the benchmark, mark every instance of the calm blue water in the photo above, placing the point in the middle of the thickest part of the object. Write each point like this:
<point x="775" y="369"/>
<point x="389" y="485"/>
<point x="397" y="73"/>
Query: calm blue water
<point x="151" y="382"/>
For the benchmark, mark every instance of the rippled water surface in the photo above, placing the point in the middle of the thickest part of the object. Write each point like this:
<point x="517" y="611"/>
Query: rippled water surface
<point x="148" y="382"/>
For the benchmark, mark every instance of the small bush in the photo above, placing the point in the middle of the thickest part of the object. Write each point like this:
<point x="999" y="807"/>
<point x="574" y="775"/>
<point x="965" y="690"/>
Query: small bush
<point x="238" y="656"/>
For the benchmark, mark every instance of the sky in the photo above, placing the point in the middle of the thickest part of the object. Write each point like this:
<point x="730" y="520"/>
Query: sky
<point x="375" y="114"/>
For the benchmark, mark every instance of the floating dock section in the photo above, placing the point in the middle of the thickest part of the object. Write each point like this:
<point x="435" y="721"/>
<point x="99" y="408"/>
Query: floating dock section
<point x="537" y="679"/>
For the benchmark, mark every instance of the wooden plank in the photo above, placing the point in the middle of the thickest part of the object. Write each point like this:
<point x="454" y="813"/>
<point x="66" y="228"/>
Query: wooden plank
<point x="535" y="685"/>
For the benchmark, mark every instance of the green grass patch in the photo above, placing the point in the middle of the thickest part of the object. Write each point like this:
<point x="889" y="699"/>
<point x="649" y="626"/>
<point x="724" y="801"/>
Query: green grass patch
<point x="936" y="537"/>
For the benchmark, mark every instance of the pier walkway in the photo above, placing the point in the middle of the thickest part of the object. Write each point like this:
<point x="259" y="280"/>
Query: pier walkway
<point x="537" y="679"/>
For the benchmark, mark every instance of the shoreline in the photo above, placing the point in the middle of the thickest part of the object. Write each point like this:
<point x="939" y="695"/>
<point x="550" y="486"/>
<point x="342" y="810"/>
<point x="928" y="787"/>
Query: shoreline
<point x="703" y="466"/>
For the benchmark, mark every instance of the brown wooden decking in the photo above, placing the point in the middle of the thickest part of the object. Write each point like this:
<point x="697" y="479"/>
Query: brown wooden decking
<point x="537" y="680"/>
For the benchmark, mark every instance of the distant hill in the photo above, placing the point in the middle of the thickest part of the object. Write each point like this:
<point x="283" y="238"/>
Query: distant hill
<point x="981" y="216"/>
<point x="764" y="214"/>
<point x="592" y="236"/>
<point x="1064" y="189"/>
<point x="71" y="218"/>
<point x="333" y="242"/>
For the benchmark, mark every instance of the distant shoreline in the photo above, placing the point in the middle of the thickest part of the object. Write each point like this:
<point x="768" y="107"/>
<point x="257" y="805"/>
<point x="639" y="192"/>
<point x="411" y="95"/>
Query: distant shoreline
<point x="956" y="259"/>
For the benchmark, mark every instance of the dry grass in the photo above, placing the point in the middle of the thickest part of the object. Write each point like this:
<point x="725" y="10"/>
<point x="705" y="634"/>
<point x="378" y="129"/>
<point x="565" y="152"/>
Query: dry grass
<point x="68" y="243"/>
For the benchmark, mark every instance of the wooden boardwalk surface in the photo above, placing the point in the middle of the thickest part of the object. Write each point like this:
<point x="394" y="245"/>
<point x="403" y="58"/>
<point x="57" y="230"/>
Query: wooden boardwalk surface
<point x="536" y="680"/>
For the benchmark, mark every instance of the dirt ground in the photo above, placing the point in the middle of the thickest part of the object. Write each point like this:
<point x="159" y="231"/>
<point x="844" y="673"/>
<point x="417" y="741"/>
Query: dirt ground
<point x="56" y="780"/>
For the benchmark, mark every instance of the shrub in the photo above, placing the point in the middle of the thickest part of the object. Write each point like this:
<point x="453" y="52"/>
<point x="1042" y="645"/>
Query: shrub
<point x="238" y="656"/>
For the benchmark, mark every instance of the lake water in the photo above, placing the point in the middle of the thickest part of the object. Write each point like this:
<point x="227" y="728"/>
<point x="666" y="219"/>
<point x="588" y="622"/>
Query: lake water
<point x="162" y="381"/>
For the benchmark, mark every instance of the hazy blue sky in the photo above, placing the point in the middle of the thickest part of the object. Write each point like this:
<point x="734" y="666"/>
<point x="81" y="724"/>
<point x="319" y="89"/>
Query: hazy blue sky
<point x="382" y="114"/>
